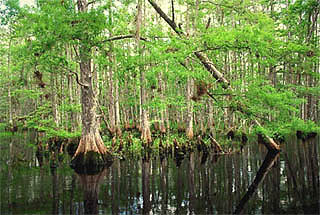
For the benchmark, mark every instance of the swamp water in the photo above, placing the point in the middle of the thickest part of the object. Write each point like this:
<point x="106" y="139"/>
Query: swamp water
<point x="253" y="182"/>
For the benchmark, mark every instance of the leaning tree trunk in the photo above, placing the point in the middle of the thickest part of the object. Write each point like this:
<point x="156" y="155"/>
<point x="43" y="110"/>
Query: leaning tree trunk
<point x="91" y="153"/>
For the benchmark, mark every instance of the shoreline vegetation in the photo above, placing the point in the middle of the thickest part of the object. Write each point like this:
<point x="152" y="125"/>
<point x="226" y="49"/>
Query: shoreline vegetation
<point x="129" y="145"/>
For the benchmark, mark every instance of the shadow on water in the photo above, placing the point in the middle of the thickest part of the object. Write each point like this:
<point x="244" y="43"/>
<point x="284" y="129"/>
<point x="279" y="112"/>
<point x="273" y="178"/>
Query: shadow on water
<point x="249" y="183"/>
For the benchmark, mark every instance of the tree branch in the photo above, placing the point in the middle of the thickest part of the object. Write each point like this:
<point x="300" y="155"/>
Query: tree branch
<point x="121" y="37"/>
<point x="211" y="96"/>
<point x="172" y="7"/>
<point x="91" y="2"/>
<point x="223" y="48"/>
<point x="172" y="24"/>
<point x="104" y="118"/>
<point x="208" y="23"/>
<point x="78" y="80"/>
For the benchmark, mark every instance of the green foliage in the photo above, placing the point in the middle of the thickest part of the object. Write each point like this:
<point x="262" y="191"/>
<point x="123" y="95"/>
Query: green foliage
<point x="42" y="121"/>
<point x="264" y="100"/>
<point x="287" y="129"/>
<point x="306" y="127"/>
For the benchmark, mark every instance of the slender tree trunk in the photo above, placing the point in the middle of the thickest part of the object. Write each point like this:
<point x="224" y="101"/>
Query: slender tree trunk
<point x="117" y="104"/>
<point x="162" y="112"/>
<point x="190" y="86"/>
<point x="145" y="127"/>
<point x="117" y="109"/>
<point x="111" y="96"/>
<point x="71" y="102"/>
<point x="211" y="123"/>
<point x="189" y="130"/>
<point x="9" y="85"/>
<point x="55" y="112"/>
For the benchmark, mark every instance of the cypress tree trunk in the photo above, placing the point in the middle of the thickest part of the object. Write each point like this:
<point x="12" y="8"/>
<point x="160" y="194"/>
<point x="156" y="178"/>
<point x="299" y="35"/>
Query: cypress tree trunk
<point x="162" y="113"/>
<point x="55" y="112"/>
<point x="117" y="109"/>
<point x="111" y="96"/>
<point x="190" y="86"/>
<point x="91" y="153"/>
<point x="144" y="120"/>
<point x="189" y="129"/>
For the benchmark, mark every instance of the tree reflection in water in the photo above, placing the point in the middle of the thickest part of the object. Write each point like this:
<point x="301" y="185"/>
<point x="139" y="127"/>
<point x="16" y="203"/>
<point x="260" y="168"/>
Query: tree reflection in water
<point x="197" y="185"/>
<point x="55" y="193"/>
<point x="90" y="185"/>
<point x="267" y="164"/>
<point x="146" y="186"/>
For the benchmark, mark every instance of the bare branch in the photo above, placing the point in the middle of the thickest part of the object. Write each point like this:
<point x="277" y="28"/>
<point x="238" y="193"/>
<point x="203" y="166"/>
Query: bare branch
<point x="172" y="7"/>
<point x="208" y="23"/>
<point x="172" y="24"/>
<point x="211" y="96"/>
<point x="121" y="37"/>
<point x="91" y="2"/>
<point x="78" y="80"/>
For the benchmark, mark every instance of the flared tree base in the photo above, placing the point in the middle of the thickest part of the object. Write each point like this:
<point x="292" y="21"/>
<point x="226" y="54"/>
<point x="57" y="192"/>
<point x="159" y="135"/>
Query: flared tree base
<point x="91" y="156"/>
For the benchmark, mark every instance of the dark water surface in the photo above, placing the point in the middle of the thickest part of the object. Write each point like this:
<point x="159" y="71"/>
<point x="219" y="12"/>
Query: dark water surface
<point x="253" y="182"/>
